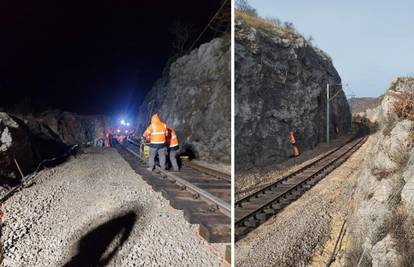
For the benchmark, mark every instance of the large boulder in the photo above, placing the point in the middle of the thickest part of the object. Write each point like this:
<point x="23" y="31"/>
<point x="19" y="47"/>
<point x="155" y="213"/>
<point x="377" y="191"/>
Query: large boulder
<point x="27" y="142"/>
<point x="193" y="97"/>
<point x="14" y="145"/>
<point x="73" y="128"/>
<point x="281" y="82"/>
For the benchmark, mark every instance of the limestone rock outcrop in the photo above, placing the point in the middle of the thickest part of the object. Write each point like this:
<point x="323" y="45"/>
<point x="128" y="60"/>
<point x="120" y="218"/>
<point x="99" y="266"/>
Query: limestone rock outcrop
<point x="281" y="82"/>
<point x="382" y="225"/>
<point x="193" y="97"/>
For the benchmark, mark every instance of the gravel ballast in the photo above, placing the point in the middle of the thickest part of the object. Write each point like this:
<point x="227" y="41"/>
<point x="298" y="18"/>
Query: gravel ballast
<point x="95" y="210"/>
<point x="293" y="236"/>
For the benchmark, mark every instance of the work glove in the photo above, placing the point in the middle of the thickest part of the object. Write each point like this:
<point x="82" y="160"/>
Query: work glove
<point x="144" y="140"/>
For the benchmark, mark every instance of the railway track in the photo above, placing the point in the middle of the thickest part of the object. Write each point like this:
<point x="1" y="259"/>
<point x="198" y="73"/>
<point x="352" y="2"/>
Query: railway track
<point x="203" y="194"/>
<point x="256" y="208"/>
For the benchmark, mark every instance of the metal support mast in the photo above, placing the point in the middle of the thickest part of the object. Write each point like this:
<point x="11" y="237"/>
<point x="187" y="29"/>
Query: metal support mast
<point x="327" y="113"/>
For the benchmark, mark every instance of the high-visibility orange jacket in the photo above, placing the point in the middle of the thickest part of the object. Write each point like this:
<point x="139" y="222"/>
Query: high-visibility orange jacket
<point x="156" y="132"/>
<point x="172" y="139"/>
<point x="292" y="138"/>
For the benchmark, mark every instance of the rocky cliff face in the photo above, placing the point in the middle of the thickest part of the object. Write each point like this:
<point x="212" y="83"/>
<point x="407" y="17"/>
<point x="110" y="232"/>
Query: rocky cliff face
<point x="382" y="226"/>
<point x="73" y="128"/>
<point x="26" y="141"/>
<point x="29" y="139"/>
<point x="194" y="99"/>
<point x="280" y="87"/>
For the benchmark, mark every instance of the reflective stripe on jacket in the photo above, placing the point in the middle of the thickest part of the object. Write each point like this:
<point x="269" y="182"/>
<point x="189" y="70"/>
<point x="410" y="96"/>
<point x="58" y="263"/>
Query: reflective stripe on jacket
<point x="157" y="131"/>
<point x="172" y="139"/>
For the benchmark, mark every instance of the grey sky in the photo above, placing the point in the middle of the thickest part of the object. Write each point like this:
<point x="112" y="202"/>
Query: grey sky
<point x="370" y="42"/>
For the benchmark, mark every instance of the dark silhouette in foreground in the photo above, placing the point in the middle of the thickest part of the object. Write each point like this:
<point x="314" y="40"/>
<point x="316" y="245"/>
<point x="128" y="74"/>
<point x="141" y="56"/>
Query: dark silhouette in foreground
<point x="93" y="246"/>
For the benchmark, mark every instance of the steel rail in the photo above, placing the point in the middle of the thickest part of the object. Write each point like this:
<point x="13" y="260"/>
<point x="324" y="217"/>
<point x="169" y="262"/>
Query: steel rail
<point x="223" y="206"/>
<point x="290" y="175"/>
<point x="198" y="167"/>
<point x="206" y="170"/>
<point x="294" y="187"/>
<point x="360" y="133"/>
<point x="330" y="166"/>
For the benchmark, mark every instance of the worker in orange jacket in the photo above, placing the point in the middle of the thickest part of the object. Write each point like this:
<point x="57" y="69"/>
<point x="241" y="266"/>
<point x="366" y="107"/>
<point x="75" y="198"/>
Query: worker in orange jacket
<point x="172" y="143"/>
<point x="156" y="134"/>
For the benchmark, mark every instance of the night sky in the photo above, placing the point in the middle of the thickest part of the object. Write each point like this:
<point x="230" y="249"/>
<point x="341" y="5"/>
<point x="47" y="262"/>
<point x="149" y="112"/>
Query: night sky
<point x="90" y="56"/>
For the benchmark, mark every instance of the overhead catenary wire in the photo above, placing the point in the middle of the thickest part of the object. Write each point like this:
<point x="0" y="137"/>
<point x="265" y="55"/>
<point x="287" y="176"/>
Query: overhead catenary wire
<point x="208" y="25"/>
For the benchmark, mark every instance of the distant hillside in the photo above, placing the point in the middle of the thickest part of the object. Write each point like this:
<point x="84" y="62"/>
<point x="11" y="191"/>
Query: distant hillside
<point x="361" y="104"/>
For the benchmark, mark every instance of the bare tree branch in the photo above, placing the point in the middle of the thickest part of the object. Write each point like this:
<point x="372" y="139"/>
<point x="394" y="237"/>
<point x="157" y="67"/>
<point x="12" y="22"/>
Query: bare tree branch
<point x="182" y="33"/>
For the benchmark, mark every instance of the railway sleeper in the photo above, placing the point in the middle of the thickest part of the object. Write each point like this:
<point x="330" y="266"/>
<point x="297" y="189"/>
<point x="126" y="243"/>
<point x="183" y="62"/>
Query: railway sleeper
<point x="214" y="226"/>
<point x="215" y="233"/>
<point x="270" y="211"/>
<point x="184" y="200"/>
<point x="277" y="206"/>
<point x="307" y="186"/>
<point x="284" y="202"/>
<point x="241" y="231"/>
<point x="297" y="192"/>
<point x="198" y="216"/>
<point x="262" y="216"/>
<point x="159" y="185"/>
<point x="251" y="222"/>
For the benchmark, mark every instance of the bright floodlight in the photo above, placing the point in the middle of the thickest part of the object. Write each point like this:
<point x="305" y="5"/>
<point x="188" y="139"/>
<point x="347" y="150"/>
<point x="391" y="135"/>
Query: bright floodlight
<point x="118" y="131"/>
<point x="122" y="122"/>
<point x="127" y="124"/>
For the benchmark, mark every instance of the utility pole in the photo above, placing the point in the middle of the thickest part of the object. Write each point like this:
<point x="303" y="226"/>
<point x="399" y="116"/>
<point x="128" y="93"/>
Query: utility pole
<point x="351" y="99"/>
<point x="327" y="113"/>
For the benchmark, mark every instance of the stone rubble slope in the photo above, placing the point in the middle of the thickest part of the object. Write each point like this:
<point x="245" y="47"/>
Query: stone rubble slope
<point x="382" y="227"/>
<point x="45" y="222"/>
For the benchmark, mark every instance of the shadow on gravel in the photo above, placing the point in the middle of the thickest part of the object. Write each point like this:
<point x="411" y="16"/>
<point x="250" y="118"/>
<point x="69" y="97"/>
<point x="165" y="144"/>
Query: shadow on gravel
<point x="92" y="248"/>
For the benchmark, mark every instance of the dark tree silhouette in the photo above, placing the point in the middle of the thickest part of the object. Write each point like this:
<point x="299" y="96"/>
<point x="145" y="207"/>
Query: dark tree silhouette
<point x="244" y="6"/>
<point x="182" y="33"/>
